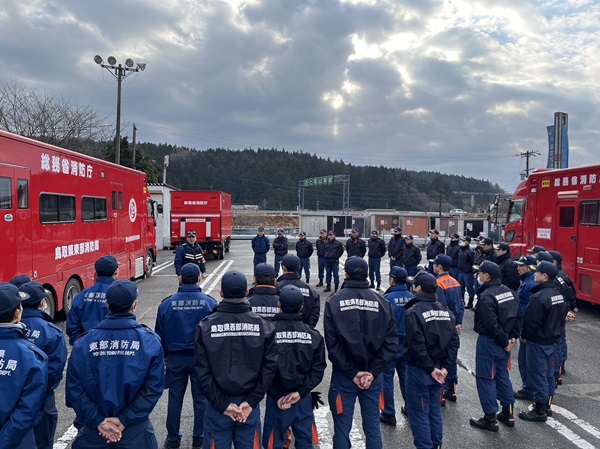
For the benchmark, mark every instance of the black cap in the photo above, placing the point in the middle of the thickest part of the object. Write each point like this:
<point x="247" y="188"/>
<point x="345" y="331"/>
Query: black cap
<point x="234" y="285"/>
<point x="547" y="268"/>
<point x="323" y="231"/>
<point x="426" y="280"/>
<point x="486" y="241"/>
<point x="280" y="231"/>
<point x="356" y="267"/>
<point x="490" y="268"/>
<point x="265" y="270"/>
<point x="106" y="266"/>
<point x="443" y="260"/>
<point x="355" y="230"/>
<point x="434" y="231"/>
<point x="291" y="262"/>
<point x="36" y="292"/>
<point x="302" y="233"/>
<point x="398" y="273"/>
<point x="466" y="238"/>
<point x="122" y="293"/>
<point x="191" y="234"/>
<point x="290" y="297"/>
<point x="19" y="280"/>
<point x="536" y="249"/>
<point x="556" y="256"/>
<point x="374" y="232"/>
<point x="397" y="229"/>
<point x="544" y="256"/>
<point x="528" y="261"/>
<point x="10" y="297"/>
<point x="408" y="237"/>
<point x="503" y="247"/>
<point x="260" y="228"/>
<point x="454" y="236"/>
<point x="331" y="233"/>
<point x="190" y="273"/>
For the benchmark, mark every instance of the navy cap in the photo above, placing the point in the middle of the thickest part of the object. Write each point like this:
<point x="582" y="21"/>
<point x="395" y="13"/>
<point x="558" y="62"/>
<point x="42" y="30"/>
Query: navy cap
<point x="490" y="268"/>
<point x="544" y="256"/>
<point x="398" y="273"/>
<point x="106" y="266"/>
<point x="122" y="293"/>
<point x="408" y="237"/>
<point x="20" y="280"/>
<point x="302" y="233"/>
<point x="486" y="241"/>
<point x="503" y="247"/>
<point x="36" y="292"/>
<point x="443" y="260"/>
<point x="397" y="229"/>
<point x="280" y="231"/>
<point x="191" y="234"/>
<point x="234" y="285"/>
<point x="528" y="261"/>
<point x="190" y="273"/>
<point x="374" y="232"/>
<point x="331" y="233"/>
<point x="536" y="249"/>
<point x="323" y="231"/>
<point x="547" y="268"/>
<point x="290" y="297"/>
<point x="454" y="236"/>
<point x="434" y="231"/>
<point x="356" y="267"/>
<point x="265" y="270"/>
<point x="466" y="238"/>
<point x="260" y="228"/>
<point x="291" y="262"/>
<point x="556" y="256"/>
<point x="10" y="297"/>
<point x="426" y="280"/>
<point x="355" y="230"/>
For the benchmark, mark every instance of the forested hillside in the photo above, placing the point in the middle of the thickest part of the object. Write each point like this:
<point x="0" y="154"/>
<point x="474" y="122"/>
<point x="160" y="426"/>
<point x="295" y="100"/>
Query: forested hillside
<point x="270" y="179"/>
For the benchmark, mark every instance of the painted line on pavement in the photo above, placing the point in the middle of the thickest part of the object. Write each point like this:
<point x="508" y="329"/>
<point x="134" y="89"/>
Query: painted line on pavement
<point x="161" y="267"/>
<point x="66" y="438"/>
<point x="576" y="420"/>
<point x="223" y="267"/>
<point x="569" y="434"/>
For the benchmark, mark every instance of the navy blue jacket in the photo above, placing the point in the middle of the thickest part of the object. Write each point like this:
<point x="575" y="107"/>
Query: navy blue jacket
<point x="360" y="330"/>
<point x="301" y="362"/>
<point x="320" y="244"/>
<point x="333" y="251"/>
<point x="47" y="336"/>
<point x="356" y="247"/>
<point x="23" y="382"/>
<point x="376" y="248"/>
<point x="187" y="253"/>
<point x="411" y="255"/>
<point x="497" y="313"/>
<point x="304" y="248"/>
<point x="452" y="251"/>
<point x="510" y="275"/>
<point x="179" y="314"/>
<point x="466" y="259"/>
<point x="567" y="288"/>
<point x="236" y="355"/>
<point x="88" y="309"/>
<point x="116" y="369"/>
<point x="260" y="245"/>
<point x="399" y="296"/>
<point x="544" y="315"/>
<point x="312" y="300"/>
<point x="524" y="293"/>
<point x="396" y="246"/>
<point x="431" y="338"/>
<point x="263" y="299"/>
<point x="280" y="246"/>
<point x="449" y="293"/>
<point x="435" y="247"/>
<point x="491" y="255"/>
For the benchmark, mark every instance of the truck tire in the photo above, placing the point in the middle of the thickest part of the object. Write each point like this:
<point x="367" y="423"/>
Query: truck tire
<point x="51" y="301"/>
<point x="149" y="264"/>
<point x="220" y="254"/>
<point x="72" y="289"/>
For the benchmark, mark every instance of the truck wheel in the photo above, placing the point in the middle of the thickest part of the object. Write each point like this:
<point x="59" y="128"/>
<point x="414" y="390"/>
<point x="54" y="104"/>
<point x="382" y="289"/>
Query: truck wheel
<point x="149" y="264"/>
<point x="71" y="290"/>
<point x="51" y="301"/>
<point x="220" y="254"/>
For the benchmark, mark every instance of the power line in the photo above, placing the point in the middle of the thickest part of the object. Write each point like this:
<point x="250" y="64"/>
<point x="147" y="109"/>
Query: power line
<point x="527" y="155"/>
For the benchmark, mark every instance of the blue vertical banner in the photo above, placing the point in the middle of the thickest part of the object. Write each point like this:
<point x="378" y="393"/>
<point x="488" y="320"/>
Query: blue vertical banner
<point x="551" y="149"/>
<point x="564" y="163"/>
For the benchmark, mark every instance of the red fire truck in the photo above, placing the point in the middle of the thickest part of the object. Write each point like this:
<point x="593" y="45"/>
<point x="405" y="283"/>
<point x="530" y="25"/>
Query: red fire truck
<point x="208" y="212"/>
<point x="560" y="210"/>
<point x="62" y="210"/>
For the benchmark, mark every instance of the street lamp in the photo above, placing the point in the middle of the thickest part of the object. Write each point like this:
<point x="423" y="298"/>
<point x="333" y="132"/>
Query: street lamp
<point x="120" y="72"/>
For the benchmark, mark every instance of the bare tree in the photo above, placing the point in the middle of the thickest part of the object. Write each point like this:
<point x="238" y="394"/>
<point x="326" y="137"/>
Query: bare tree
<point x="52" y="119"/>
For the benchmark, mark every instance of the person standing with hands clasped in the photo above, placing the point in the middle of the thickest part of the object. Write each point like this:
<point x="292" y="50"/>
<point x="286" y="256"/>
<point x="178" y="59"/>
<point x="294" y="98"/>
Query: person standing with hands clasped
<point x="431" y="348"/>
<point x="498" y="323"/>
<point x="189" y="252"/>
<point x="260" y="246"/>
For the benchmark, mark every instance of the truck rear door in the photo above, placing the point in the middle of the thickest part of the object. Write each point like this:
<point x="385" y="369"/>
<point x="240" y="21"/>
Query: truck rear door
<point x="565" y="234"/>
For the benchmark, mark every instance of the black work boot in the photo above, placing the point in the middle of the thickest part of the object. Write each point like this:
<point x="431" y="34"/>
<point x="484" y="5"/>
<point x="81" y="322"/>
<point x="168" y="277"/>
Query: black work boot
<point x="558" y="379"/>
<point x="538" y="413"/>
<point x="450" y="394"/>
<point x="379" y="286"/>
<point x="470" y="303"/>
<point x="320" y="284"/>
<point x="390" y="420"/>
<point x="371" y="285"/>
<point x="328" y="288"/>
<point x="336" y="286"/>
<point x="549" y="406"/>
<point x="506" y="416"/>
<point x="487" y="422"/>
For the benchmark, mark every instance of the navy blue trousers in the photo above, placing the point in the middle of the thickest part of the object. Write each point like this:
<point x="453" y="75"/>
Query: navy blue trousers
<point x="300" y="418"/>
<point x="305" y="264"/>
<point x="259" y="258"/>
<point x="522" y="357"/>
<point x="424" y="408"/>
<point x="180" y="368"/>
<point x="46" y="428"/>
<point x="540" y="371"/>
<point x="322" y="267"/>
<point x="342" y="399"/>
<point x="375" y="269"/>
<point x="220" y="431"/>
<point x="335" y="271"/>
<point x="398" y="366"/>
<point x="492" y="377"/>
<point x="467" y="281"/>
<point x="396" y="263"/>
<point x="138" y="436"/>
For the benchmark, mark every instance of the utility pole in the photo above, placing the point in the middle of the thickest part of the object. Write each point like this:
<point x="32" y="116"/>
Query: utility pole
<point x="134" y="143"/>
<point x="527" y="155"/>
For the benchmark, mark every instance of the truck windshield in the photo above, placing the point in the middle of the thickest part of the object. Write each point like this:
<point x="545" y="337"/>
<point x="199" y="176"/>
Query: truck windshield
<point x="515" y="210"/>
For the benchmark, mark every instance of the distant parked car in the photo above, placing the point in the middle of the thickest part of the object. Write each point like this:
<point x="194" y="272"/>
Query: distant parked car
<point x="457" y="212"/>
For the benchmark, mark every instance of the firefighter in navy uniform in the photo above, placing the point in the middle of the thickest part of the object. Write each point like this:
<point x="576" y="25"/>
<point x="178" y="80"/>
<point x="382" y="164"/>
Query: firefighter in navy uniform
<point x="176" y="321"/>
<point x="116" y="376"/>
<point x="452" y="251"/>
<point x="189" y="252"/>
<point x="362" y="341"/>
<point x="355" y="246"/>
<point x="304" y="250"/>
<point x="376" y="251"/>
<point x="498" y="323"/>
<point x="411" y="256"/>
<point x="333" y="251"/>
<point x="568" y="290"/>
<point x="236" y="360"/>
<point x="396" y="247"/>
<point x="542" y="326"/>
<point x="280" y="248"/>
<point x="260" y="246"/>
<point x="508" y="267"/>
<point x="300" y="369"/>
<point x="23" y="374"/>
<point x="466" y="260"/>
<point x="47" y="336"/>
<point x="89" y="306"/>
<point x="431" y="346"/>
<point x="322" y="265"/>
<point x="263" y="297"/>
<point x="312" y="301"/>
<point x="434" y="247"/>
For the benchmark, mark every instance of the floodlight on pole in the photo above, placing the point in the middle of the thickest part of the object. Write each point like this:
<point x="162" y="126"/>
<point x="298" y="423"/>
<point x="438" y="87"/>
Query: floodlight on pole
<point x="120" y="72"/>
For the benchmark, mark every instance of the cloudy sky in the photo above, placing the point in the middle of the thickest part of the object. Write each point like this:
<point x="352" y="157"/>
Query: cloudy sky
<point x="453" y="86"/>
